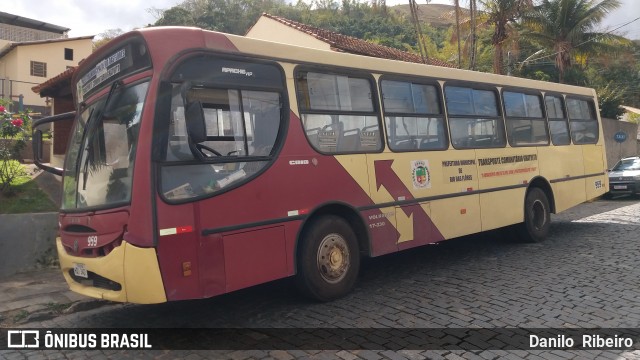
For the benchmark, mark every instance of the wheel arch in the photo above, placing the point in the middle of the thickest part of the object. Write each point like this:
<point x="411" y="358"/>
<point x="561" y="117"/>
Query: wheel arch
<point x="544" y="185"/>
<point x="340" y="209"/>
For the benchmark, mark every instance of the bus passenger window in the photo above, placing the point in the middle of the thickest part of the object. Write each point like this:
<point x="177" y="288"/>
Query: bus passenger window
<point x="558" y="124"/>
<point x="583" y="121"/>
<point x="336" y="111"/>
<point x="413" y="116"/>
<point x="526" y="125"/>
<point x="474" y="118"/>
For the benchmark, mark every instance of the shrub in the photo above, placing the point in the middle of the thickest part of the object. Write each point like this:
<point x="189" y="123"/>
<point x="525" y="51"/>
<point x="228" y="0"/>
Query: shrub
<point x="14" y="134"/>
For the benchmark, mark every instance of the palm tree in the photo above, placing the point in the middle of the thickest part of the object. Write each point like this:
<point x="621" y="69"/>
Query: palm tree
<point x="566" y="27"/>
<point x="503" y="13"/>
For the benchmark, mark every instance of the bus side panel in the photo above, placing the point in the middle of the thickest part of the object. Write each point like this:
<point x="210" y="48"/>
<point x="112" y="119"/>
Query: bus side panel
<point x="557" y="164"/>
<point x="594" y="164"/>
<point x="417" y="225"/>
<point x="383" y="233"/>
<point x="502" y="208"/>
<point x="515" y="167"/>
<point x="406" y="176"/>
<point x="178" y="250"/>
<point x="455" y="172"/>
<point x="568" y="194"/>
<point x="254" y="257"/>
<point x="457" y="216"/>
<point x="211" y="264"/>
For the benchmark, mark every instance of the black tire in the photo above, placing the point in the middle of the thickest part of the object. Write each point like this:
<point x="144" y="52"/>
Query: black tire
<point x="537" y="218"/>
<point x="328" y="259"/>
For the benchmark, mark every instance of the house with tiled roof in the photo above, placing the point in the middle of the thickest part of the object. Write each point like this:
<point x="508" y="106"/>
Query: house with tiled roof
<point x="278" y="29"/>
<point x="33" y="52"/>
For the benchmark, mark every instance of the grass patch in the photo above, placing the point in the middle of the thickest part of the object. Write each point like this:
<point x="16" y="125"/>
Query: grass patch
<point x="56" y="307"/>
<point x="20" y="316"/>
<point x="25" y="197"/>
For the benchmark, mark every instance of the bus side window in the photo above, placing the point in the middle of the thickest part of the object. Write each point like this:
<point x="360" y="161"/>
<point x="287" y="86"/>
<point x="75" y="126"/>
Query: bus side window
<point x="328" y="138"/>
<point x="558" y="124"/>
<point x="583" y="121"/>
<point x="335" y="111"/>
<point x="526" y="125"/>
<point x="474" y="118"/>
<point x="413" y="116"/>
<point x="241" y="128"/>
<point x="369" y="139"/>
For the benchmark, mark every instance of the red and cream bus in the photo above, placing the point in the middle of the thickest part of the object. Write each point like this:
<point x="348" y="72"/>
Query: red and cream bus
<point x="201" y="163"/>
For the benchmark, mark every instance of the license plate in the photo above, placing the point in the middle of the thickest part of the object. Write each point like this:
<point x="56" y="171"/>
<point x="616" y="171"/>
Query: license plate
<point x="620" y="187"/>
<point x="80" y="270"/>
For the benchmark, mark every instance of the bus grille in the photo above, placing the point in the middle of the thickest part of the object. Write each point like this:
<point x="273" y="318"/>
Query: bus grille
<point x="96" y="280"/>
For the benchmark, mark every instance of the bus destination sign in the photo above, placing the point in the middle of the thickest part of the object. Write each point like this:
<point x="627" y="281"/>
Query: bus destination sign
<point x="103" y="71"/>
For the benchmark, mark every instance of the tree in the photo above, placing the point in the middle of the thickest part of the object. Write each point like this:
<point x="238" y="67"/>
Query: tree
<point x="501" y="14"/>
<point x="106" y="36"/>
<point x="230" y="16"/>
<point x="566" y="28"/>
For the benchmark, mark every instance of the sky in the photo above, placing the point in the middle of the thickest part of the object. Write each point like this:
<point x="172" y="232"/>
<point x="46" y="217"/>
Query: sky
<point x="92" y="17"/>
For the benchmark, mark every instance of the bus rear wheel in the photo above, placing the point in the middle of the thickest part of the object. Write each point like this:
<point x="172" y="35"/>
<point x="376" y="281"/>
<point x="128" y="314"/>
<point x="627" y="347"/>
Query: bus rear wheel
<point x="537" y="218"/>
<point x="328" y="260"/>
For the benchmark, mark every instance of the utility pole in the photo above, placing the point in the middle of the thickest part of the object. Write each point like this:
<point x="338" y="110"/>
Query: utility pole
<point x="416" y="23"/>
<point x="472" y="13"/>
<point x="457" y="5"/>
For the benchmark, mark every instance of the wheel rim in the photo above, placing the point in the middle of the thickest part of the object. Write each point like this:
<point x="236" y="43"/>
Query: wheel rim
<point x="538" y="215"/>
<point x="333" y="258"/>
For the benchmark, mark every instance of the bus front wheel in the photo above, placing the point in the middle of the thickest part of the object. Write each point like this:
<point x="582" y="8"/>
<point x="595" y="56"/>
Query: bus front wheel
<point x="537" y="218"/>
<point x="329" y="259"/>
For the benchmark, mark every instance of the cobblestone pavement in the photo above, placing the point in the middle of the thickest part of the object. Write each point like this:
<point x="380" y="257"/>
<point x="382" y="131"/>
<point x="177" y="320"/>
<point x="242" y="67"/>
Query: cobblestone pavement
<point x="585" y="275"/>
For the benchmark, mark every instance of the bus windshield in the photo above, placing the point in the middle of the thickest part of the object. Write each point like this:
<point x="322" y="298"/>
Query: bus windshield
<point x="100" y="158"/>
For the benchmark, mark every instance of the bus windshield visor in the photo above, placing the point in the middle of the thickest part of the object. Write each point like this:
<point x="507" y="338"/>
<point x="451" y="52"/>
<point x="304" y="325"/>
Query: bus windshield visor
<point x="101" y="154"/>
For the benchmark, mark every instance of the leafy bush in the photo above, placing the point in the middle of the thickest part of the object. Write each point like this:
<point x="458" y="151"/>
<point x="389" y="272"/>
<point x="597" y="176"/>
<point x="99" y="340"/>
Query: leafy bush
<point x="14" y="134"/>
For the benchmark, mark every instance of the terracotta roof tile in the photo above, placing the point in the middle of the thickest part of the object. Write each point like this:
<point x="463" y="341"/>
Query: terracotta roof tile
<point x="349" y="44"/>
<point x="62" y="79"/>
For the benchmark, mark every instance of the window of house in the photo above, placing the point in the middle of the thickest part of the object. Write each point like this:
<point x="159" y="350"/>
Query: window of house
<point x="38" y="69"/>
<point x="68" y="54"/>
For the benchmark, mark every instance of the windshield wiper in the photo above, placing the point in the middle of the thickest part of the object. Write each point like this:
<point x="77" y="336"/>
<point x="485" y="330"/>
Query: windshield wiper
<point x="90" y="130"/>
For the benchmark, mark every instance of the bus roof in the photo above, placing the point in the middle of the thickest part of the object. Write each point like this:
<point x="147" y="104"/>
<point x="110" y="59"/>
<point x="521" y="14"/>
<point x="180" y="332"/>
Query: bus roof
<point x="302" y="55"/>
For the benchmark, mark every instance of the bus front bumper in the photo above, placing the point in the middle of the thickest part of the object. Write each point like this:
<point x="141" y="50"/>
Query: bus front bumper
<point x="127" y="274"/>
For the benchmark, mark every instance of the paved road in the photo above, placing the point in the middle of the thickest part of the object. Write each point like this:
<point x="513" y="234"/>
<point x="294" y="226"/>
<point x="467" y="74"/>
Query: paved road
<point x="585" y="275"/>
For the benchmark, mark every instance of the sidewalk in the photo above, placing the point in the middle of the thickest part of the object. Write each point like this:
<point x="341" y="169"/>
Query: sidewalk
<point x="39" y="295"/>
